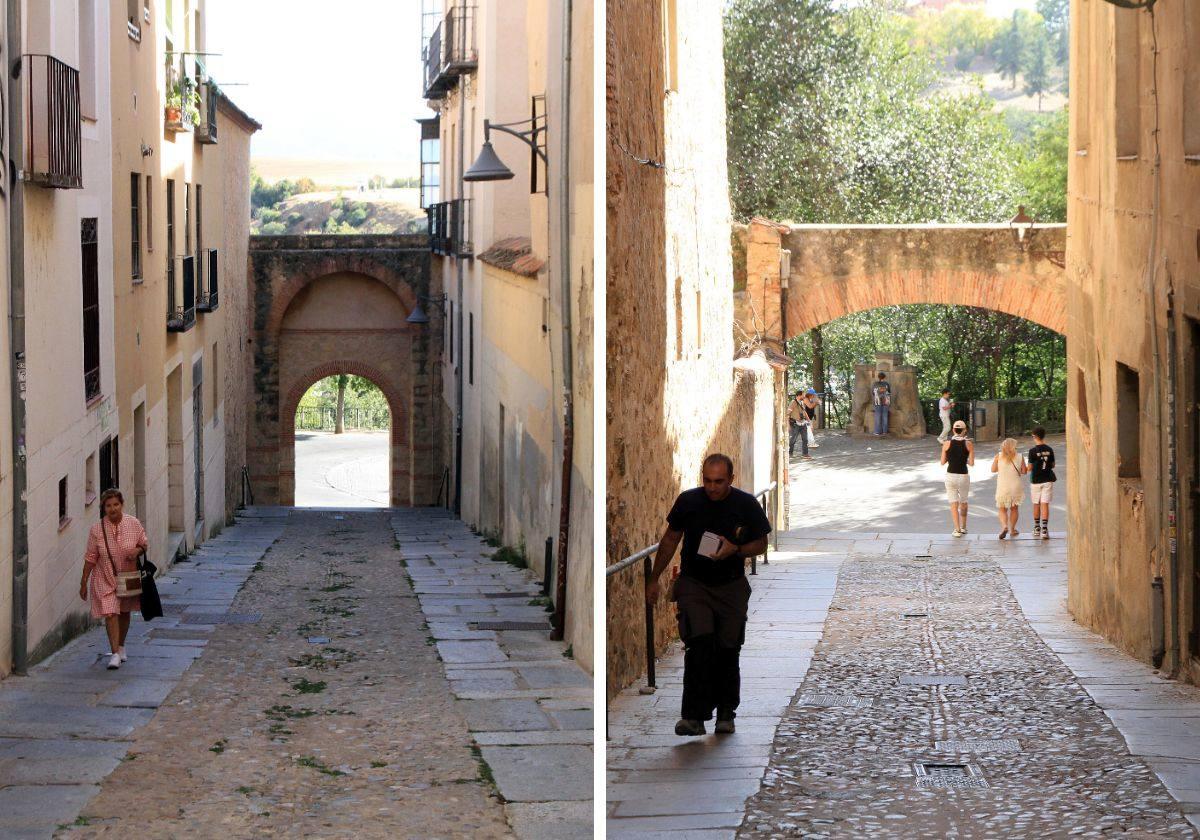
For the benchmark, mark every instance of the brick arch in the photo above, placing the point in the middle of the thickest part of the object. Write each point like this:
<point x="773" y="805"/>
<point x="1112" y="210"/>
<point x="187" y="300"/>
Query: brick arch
<point x="327" y="264"/>
<point x="816" y="302"/>
<point x="397" y="435"/>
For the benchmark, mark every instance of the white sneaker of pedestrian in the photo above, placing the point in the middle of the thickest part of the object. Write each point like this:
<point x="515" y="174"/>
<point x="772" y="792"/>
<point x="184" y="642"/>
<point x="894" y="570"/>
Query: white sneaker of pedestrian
<point x="121" y="653"/>
<point x="114" y="662"/>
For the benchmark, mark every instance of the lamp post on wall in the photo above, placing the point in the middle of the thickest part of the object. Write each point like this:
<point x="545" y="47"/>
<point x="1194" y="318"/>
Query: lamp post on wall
<point x="489" y="167"/>
<point x="1022" y="228"/>
<point x="418" y="316"/>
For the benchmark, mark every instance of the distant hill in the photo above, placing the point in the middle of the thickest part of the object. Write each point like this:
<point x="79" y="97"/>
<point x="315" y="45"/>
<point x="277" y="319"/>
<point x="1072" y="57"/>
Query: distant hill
<point x="334" y="173"/>
<point x="343" y="211"/>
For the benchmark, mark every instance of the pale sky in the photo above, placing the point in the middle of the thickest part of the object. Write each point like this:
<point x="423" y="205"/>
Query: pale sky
<point x="328" y="81"/>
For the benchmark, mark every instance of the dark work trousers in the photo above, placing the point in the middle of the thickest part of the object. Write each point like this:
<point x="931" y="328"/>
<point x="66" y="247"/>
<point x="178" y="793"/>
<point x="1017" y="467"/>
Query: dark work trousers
<point x="796" y="430"/>
<point x="712" y="625"/>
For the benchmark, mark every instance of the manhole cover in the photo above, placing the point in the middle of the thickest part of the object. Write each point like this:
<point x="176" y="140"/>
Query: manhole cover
<point x="932" y="679"/>
<point x="221" y="618"/>
<point x="511" y="625"/>
<point x="998" y="745"/>
<point x="937" y="776"/>
<point x="845" y="700"/>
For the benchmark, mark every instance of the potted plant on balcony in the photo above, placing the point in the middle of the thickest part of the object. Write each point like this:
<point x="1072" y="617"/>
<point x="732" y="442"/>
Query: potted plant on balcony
<point x="174" y="106"/>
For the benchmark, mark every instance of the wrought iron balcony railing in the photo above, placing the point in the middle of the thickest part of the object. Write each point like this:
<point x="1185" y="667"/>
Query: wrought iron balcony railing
<point x="207" y="299"/>
<point x="181" y="315"/>
<point x="53" y="149"/>
<point x="450" y="228"/>
<point x="206" y="131"/>
<point x="450" y="51"/>
<point x="182" y="108"/>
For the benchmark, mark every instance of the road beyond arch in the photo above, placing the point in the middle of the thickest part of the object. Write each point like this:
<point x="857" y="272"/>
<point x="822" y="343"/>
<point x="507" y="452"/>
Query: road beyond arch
<point x="837" y="270"/>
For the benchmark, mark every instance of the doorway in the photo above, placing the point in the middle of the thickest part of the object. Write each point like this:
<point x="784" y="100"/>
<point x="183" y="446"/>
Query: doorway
<point x="198" y="437"/>
<point x="175" y="517"/>
<point x="343" y="444"/>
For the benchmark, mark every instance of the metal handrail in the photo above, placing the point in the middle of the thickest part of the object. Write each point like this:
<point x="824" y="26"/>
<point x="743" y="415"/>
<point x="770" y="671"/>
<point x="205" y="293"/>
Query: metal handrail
<point x="646" y="555"/>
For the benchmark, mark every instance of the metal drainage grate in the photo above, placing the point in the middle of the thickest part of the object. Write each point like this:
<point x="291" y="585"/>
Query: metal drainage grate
<point x="221" y="618"/>
<point x="937" y="776"/>
<point x="511" y="625"/>
<point x="999" y="745"/>
<point x="932" y="679"/>
<point x="843" y="700"/>
<point x="922" y="556"/>
<point x="916" y="615"/>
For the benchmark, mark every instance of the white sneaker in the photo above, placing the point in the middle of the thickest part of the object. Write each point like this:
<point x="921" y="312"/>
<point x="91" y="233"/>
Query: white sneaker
<point x="121" y="653"/>
<point x="114" y="662"/>
<point x="958" y="533"/>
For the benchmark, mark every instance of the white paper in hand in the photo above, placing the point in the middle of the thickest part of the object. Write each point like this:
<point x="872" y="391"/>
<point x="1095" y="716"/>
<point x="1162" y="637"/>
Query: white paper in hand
<point x="710" y="544"/>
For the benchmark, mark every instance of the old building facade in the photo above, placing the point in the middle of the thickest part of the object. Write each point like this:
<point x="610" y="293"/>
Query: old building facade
<point x="676" y="392"/>
<point x="134" y="210"/>
<point x="1133" y="328"/>
<point x="512" y="280"/>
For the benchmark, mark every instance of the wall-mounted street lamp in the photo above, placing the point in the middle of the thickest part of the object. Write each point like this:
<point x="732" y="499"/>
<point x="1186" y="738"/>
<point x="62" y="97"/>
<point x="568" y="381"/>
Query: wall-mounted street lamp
<point x="418" y="316"/>
<point x="1022" y="228"/>
<point x="489" y="167"/>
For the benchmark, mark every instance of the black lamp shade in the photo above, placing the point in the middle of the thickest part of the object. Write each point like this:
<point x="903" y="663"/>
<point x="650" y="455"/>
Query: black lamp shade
<point x="417" y="316"/>
<point x="488" y="167"/>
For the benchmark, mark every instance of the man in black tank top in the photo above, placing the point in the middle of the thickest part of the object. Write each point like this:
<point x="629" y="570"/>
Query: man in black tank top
<point x="958" y="454"/>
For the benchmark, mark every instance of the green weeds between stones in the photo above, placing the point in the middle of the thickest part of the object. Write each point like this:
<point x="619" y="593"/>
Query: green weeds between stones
<point x="318" y="765"/>
<point x="304" y="686"/>
<point x="285" y="712"/>
<point x="218" y="747"/>
<point x="485" y="772"/>
<point x="569" y="653"/>
<point x="378" y="764"/>
<point x="511" y="556"/>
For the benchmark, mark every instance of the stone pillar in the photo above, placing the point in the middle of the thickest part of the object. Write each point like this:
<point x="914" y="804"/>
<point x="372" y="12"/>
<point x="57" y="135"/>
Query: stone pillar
<point x="906" y="419"/>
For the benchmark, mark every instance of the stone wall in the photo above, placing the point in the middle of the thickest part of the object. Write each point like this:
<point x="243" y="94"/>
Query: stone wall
<point x="674" y="392"/>
<point x="1127" y="216"/>
<point x="905" y="420"/>
<point x="298" y="340"/>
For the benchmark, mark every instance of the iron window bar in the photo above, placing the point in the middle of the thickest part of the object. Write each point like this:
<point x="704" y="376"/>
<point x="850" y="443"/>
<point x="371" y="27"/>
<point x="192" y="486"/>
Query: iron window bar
<point x="53" y="144"/>
<point x="206" y="299"/>
<point x="450" y="51"/>
<point x="181" y="318"/>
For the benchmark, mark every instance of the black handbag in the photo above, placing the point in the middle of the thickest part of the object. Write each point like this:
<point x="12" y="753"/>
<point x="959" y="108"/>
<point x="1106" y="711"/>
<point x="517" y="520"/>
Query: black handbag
<point x="151" y="603"/>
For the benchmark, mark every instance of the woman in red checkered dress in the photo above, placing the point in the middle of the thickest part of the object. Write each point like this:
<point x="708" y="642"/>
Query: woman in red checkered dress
<point x="123" y="536"/>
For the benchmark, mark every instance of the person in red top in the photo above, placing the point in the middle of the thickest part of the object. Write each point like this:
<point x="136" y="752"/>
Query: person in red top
<point x="113" y="545"/>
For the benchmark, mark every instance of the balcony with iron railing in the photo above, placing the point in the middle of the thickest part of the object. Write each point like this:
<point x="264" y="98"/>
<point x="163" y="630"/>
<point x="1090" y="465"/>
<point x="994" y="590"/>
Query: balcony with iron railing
<point x="450" y="51"/>
<point x="206" y="298"/>
<point x="206" y="128"/>
<point x="53" y="154"/>
<point x="181" y="310"/>
<point x="450" y="228"/>
<point x="182" y="108"/>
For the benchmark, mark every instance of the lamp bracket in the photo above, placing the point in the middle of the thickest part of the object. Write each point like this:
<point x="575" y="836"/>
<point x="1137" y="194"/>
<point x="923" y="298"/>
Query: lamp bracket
<point x="537" y="125"/>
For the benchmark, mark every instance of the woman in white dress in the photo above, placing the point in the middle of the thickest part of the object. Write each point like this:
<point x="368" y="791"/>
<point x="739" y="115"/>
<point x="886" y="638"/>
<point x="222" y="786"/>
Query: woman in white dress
<point x="1009" y="467"/>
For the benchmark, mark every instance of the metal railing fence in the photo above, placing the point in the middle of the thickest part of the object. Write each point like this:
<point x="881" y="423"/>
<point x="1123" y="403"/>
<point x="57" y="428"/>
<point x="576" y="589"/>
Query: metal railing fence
<point x="359" y="419"/>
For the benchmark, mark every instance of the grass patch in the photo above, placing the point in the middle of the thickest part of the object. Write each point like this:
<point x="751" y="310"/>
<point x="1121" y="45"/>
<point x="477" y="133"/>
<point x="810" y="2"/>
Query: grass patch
<point x="378" y="764"/>
<point x="244" y="791"/>
<point x="279" y="729"/>
<point x="336" y="587"/>
<point x="305" y="686"/>
<point x="288" y="712"/>
<point x="569" y="653"/>
<point x="218" y="747"/>
<point x="541" y="601"/>
<point x="485" y="771"/>
<point x="492" y="538"/>
<point x="258" y="567"/>
<point x="318" y="765"/>
<point x="511" y="556"/>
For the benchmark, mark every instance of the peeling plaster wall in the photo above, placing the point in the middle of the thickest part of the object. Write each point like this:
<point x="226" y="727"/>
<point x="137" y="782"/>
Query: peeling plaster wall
<point x="1118" y="525"/>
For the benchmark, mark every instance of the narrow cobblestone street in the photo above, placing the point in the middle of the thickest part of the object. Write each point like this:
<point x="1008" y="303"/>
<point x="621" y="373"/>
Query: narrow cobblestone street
<point x="302" y="692"/>
<point x="1066" y="732"/>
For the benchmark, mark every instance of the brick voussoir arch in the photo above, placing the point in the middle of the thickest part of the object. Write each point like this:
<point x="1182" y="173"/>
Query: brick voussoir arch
<point x="391" y="393"/>
<point x="814" y="303"/>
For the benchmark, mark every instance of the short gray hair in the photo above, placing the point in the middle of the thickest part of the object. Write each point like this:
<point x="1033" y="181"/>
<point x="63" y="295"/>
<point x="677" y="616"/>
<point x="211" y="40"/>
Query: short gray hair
<point x="111" y="493"/>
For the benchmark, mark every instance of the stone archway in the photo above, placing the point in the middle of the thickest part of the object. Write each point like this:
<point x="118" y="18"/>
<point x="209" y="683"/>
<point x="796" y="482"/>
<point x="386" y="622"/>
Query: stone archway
<point x="339" y="304"/>
<point x="838" y="270"/>
<point x="398" y="467"/>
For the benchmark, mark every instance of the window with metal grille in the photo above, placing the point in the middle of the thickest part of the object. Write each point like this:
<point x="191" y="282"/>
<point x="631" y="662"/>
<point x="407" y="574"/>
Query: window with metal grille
<point x="109" y="471"/>
<point x="149" y="214"/>
<point x="62" y="502"/>
<point x="171" y="304"/>
<point x="90" y="270"/>
<point x="135" y="226"/>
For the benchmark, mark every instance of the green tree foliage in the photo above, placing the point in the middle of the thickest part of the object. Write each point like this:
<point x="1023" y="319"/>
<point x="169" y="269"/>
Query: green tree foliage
<point x="959" y="33"/>
<point x="1037" y="69"/>
<point x="1057" y="15"/>
<point x="1043" y="171"/>
<point x="1010" y="51"/>
<point x="830" y="119"/>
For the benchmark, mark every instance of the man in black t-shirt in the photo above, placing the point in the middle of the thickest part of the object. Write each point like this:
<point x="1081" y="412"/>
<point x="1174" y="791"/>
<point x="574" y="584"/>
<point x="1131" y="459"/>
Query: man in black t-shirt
<point x="1041" y="483"/>
<point x="719" y="526"/>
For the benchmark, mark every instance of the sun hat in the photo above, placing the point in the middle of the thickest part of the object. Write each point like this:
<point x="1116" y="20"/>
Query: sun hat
<point x="811" y="391"/>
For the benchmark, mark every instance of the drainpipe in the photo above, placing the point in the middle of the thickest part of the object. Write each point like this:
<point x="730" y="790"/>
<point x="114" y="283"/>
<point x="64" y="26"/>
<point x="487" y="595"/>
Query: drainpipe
<point x="1179" y="640"/>
<point x="458" y="261"/>
<point x="16" y="326"/>
<point x="564" y="247"/>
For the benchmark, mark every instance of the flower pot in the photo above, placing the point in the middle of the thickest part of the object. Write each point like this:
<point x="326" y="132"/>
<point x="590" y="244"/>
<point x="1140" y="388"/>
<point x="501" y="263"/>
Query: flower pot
<point x="172" y="114"/>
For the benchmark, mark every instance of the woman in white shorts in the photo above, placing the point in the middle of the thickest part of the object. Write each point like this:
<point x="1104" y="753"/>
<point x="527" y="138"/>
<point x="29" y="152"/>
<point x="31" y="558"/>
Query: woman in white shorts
<point x="958" y="454"/>
<point x="1010" y="487"/>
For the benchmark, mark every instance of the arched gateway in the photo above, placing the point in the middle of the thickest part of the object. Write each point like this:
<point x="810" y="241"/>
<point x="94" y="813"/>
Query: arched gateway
<point x="339" y="304"/>
<point x="837" y="270"/>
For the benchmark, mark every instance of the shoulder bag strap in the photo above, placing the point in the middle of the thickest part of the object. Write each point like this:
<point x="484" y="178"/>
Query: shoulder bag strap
<point x="112" y="560"/>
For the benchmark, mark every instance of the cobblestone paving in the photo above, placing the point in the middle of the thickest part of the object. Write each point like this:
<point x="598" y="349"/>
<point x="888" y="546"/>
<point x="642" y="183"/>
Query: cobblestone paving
<point x="839" y="771"/>
<point x="331" y="717"/>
